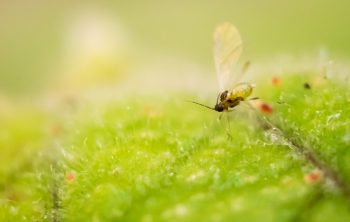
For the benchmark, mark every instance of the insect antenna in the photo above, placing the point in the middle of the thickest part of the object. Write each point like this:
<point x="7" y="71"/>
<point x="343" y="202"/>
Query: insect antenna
<point x="202" y="105"/>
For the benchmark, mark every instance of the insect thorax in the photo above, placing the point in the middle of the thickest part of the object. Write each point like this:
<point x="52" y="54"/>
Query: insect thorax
<point x="223" y="95"/>
<point x="230" y="99"/>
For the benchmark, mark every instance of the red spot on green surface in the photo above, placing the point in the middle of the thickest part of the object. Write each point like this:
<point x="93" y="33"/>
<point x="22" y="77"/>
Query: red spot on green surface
<point x="71" y="176"/>
<point x="276" y="81"/>
<point x="265" y="108"/>
<point x="313" y="177"/>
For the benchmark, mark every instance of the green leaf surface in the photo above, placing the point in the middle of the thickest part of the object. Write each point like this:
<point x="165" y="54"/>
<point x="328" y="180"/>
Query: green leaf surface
<point x="142" y="159"/>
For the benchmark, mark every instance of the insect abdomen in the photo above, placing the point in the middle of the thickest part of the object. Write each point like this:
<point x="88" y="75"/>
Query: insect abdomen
<point x="242" y="90"/>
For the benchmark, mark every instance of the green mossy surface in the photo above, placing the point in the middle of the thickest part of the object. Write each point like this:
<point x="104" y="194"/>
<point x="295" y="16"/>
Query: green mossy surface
<point x="156" y="159"/>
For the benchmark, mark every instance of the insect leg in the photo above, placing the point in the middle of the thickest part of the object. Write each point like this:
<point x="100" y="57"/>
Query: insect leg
<point x="254" y="98"/>
<point x="220" y="116"/>
<point x="217" y="99"/>
<point x="228" y="128"/>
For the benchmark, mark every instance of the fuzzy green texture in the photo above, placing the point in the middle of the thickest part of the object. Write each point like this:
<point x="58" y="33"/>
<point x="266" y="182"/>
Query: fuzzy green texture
<point x="156" y="159"/>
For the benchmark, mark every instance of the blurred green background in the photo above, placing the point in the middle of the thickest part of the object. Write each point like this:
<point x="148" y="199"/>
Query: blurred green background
<point x="40" y="39"/>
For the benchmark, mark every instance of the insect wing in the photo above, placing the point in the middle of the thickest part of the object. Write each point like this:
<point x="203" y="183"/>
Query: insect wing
<point x="227" y="50"/>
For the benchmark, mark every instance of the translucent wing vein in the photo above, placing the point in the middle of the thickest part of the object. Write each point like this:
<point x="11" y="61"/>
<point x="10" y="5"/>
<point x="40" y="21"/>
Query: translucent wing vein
<point x="227" y="50"/>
